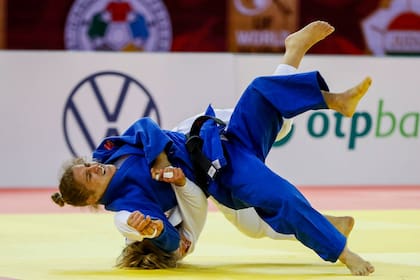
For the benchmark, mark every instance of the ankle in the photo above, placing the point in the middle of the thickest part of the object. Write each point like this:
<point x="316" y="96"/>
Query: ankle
<point x="330" y="100"/>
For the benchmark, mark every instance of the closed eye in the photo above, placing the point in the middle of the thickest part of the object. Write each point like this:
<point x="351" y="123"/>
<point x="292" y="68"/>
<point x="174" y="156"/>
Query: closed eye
<point x="88" y="176"/>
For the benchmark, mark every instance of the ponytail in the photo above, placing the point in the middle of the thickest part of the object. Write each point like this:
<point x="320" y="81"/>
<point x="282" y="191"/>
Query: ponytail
<point x="58" y="199"/>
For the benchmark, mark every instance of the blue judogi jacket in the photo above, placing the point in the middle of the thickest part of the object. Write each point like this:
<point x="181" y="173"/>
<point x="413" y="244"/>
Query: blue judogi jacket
<point x="132" y="187"/>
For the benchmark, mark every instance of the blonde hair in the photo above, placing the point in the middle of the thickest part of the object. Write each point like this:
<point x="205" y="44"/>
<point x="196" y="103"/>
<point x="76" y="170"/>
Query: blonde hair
<point x="146" y="255"/>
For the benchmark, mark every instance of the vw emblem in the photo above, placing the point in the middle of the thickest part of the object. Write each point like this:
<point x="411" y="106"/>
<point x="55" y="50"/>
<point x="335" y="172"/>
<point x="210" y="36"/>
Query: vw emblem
<point x="104" y="104"/>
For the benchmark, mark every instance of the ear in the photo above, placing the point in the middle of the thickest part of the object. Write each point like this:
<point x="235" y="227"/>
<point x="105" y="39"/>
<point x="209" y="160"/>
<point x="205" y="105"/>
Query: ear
<point x="89" y="201"/>
<point x="92" y="200"/>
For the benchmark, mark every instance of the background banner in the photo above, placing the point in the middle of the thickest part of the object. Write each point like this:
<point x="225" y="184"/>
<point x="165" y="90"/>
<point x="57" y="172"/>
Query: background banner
<point x="374" y="27"/>
<point x="260" y="26"/>
<point x="59" y="104"/>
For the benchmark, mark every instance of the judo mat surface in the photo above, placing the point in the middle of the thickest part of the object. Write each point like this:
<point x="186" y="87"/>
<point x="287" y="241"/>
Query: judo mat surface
<point x="39" y="240"/>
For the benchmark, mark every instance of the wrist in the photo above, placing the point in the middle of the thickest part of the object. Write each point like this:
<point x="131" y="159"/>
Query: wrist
<point x="181" y="183"/>
<point x="161" y="161"/>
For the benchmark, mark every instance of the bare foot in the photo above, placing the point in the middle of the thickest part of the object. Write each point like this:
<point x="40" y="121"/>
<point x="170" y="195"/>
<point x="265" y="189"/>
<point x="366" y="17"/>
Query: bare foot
<point x="356" y="264"/>
<point x="343" y="224"/>
<point x="299" y="42"/>
<point x="346" y="102"/>
<point x="309" y="35"/>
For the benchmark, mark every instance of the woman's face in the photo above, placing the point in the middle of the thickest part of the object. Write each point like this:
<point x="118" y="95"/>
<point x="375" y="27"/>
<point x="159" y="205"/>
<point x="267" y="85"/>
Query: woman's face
<point x="95" y="177"/>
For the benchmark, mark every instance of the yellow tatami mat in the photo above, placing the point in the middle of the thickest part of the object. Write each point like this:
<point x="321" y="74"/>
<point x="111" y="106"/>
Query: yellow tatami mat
<point x="85" y="246"/>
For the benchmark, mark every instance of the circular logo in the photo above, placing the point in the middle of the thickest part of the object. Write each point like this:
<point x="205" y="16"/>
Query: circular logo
<point x="394" y="29"/>
<point x="118" y="25"/>
<point x="101" y="105"/>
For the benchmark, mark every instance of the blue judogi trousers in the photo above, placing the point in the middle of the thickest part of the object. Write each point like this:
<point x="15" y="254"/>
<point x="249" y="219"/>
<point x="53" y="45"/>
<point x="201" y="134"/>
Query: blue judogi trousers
<point x="251" y="133"/>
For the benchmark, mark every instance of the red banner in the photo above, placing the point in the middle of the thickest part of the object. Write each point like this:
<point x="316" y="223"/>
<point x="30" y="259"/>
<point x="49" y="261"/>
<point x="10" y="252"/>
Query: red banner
<point x="378" y="27"/>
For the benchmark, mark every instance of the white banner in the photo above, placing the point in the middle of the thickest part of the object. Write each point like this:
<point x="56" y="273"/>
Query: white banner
<point x="58" y="104"/>
<point x="380" y="145"/>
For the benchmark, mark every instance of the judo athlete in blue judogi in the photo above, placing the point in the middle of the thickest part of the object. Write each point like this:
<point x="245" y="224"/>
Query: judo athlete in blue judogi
<point x="238" y="177"/>
<point x="243" y="180"/>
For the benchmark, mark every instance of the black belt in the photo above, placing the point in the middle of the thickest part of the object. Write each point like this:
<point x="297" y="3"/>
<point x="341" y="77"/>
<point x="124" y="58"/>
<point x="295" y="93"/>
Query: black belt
<point x="204" y="169"/>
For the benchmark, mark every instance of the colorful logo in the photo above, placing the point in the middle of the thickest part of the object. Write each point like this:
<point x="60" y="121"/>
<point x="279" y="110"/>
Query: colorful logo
<point x="118" y="25"/>
<point x="394" y="29"/>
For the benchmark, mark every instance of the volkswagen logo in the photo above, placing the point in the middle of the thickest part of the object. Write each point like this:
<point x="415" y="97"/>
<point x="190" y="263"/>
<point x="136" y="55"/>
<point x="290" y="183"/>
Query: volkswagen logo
<point x="104" y="104"/>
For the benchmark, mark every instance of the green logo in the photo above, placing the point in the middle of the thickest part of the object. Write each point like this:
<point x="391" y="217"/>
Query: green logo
<point x="384" y="124"/>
